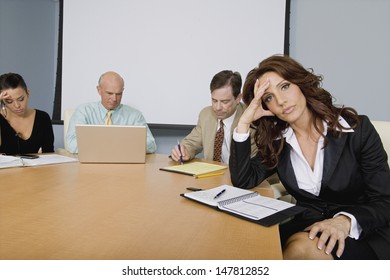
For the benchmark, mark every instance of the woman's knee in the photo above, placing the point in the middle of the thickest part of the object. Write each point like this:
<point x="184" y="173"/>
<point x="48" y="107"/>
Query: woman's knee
<point x="300" y="247"/>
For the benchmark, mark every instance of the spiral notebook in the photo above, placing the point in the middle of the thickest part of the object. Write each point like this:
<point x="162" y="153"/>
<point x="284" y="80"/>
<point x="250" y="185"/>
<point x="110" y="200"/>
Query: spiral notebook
<point x="246" y="204"/>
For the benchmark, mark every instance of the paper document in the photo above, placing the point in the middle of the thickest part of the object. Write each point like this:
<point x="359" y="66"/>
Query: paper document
<point x="10" y="161"/>
<point x="43" y="159"/>
<point x="195" y="168"/>
<point x="207" y="196"/>
<point x="255" y="207"/>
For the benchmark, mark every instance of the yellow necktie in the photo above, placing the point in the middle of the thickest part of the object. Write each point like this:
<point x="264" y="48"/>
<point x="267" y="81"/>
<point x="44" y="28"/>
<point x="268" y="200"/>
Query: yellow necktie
<point x="108" y="119"/>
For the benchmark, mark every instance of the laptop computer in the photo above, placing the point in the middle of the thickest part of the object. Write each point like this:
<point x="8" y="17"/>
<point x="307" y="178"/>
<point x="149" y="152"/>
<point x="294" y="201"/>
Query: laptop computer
<point x="111" y="143"/>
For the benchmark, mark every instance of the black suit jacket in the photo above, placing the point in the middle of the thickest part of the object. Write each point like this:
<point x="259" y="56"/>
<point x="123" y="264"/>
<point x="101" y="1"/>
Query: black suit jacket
<point x="356" y="179"/>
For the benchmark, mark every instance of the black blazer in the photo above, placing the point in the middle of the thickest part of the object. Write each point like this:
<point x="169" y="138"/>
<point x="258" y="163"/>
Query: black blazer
<point x="356" y="179"/>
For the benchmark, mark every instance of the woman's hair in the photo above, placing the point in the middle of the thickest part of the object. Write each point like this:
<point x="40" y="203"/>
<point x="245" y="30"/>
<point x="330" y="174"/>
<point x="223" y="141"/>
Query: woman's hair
<point x="268" y="136"/>
<point x="12" y="81"/>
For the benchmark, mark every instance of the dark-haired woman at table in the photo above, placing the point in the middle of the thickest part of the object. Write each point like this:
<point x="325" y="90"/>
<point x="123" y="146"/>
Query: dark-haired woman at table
<point x="22" y="129"/>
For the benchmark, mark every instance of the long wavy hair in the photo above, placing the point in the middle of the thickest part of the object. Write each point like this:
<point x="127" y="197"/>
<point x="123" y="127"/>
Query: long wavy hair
<point x="268" y="135"/>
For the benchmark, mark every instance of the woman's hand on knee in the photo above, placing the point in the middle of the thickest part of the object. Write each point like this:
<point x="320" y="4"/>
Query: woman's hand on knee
<point x="331" y="231"/>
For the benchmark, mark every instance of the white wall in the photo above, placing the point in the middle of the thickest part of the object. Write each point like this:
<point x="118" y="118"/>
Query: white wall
<point x="348" y="42"/>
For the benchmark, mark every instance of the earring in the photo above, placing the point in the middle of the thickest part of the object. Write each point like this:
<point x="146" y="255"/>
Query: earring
<point x="4" y="110"/>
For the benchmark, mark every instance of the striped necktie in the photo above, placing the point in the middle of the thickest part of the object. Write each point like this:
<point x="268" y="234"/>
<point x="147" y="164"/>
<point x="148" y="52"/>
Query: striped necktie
<point x="108" y="119"/>
<point x="218" y="143"/>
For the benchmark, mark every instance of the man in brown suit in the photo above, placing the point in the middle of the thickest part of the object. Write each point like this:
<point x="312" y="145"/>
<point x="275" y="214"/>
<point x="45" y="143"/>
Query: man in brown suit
<point x="225" y="88"/>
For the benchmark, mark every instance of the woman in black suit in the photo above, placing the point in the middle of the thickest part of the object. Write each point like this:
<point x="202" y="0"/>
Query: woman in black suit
<point x="330" y="159"/>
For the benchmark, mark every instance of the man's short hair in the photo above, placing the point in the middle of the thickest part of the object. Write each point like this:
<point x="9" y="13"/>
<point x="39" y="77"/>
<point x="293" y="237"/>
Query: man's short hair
<point x="227" y="78"/>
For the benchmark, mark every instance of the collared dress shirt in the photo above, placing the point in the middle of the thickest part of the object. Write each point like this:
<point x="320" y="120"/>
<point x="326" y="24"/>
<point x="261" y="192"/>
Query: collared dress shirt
<point x="228" y="122"/>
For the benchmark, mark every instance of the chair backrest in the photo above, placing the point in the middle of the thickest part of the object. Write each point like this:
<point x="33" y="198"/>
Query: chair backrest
<point x="67" y="115"/>
<point x="383" y="128"/>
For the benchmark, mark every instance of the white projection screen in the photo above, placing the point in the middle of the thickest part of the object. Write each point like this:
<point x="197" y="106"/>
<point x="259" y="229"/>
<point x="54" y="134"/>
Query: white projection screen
<point x="167" y="51"/>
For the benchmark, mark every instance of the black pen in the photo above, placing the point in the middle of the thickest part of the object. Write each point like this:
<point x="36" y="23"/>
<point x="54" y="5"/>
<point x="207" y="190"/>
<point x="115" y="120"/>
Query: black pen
<point x="181" y="155"/>
<point x="218" y="194"/>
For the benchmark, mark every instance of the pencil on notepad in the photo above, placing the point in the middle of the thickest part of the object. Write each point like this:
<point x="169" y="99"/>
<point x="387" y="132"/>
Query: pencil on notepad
<point x="209" y="175"/>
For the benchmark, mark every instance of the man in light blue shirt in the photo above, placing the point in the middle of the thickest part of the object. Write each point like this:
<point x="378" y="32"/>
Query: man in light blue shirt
<point x="110" y="89"/>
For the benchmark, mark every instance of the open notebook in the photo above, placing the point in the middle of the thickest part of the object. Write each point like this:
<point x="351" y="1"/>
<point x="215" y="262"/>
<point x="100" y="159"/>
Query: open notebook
<point x="246" y="204"/>
<point x="111" y="143"/>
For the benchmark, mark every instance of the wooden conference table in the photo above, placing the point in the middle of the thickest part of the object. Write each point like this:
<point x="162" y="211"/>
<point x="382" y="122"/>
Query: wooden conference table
<point x="76" y="211"/>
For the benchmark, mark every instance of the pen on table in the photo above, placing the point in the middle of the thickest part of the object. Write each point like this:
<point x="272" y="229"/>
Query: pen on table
<point x="181" y="155"/>
<point x="218" y="194"/>
<point x="208" y="175"/>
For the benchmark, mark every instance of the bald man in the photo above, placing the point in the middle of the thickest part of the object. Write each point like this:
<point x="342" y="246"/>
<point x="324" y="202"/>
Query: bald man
<point x="110" y="88"/>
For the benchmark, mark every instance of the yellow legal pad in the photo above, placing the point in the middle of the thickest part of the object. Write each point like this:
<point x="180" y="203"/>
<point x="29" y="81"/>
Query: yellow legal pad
<point x="195" y="168"/>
